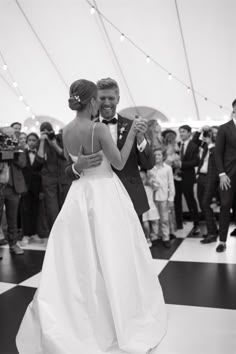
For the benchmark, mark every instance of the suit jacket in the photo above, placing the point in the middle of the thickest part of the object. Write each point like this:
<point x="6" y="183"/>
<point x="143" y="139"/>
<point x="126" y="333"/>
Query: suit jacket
<point x="16" y="178"/>
<point x="212" y="173"/>
<point x="32" y="174"/>
<point x="225" y="149"/>
<point x="129" y="175"/>
<point x="189" y="162"/>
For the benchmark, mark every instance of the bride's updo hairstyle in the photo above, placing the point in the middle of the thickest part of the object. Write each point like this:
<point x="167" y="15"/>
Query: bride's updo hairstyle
<point x="81" y="93"/>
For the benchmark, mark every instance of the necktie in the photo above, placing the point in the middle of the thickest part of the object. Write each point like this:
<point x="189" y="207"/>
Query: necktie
<point x="182" y="151"/>
<point x="111" y="121"/>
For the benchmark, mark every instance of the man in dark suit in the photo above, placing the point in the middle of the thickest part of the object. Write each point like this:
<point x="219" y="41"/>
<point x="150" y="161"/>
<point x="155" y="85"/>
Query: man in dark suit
<point x="225" y="156"/>
<point x="141" y="153"/>
<point x="10" y="197"/>
<point x="189" y="159"/>
<point x="210" y="185"/>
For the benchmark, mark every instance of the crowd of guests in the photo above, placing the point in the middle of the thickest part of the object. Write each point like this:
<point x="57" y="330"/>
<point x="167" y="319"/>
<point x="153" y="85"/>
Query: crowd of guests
<point x="185" y="159"/>
<point x="37" y="184"/>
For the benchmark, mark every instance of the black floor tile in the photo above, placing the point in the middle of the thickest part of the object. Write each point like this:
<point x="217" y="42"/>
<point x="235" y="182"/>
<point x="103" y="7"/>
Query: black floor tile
<point x="160" y="252"/>
<point x="199" y="284"/>
<point x="13" y="304"/>
<point x="15" y="269"/>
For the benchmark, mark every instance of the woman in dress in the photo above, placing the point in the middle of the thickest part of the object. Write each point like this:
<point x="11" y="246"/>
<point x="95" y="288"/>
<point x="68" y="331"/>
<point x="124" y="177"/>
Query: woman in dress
<point x="98" y="291"/>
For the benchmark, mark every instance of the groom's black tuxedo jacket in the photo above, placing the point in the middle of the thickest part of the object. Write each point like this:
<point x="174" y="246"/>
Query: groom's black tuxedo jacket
<point x="225" y="149"/>
<point x="129" y="176"/>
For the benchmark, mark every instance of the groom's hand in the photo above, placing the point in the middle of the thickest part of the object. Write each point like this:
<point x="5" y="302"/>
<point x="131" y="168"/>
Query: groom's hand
<point x="141" y="127"/>
<point x="87" y="161"/>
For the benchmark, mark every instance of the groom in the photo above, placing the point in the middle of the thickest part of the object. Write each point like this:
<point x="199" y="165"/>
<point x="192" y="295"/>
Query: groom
<point x="141" y="154"/>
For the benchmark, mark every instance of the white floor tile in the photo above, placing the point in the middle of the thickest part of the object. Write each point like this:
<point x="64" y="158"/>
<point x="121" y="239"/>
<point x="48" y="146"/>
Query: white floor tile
<point x="32" y="282"/>
<point x="191" y="250"/>
<point x="159" y="265"/>
<point x="199" y="330"/>
<point x="187" y="227"/>
<point x="6" y="286"/>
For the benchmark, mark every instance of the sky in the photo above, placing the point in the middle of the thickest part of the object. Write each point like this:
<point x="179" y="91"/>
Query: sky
<point x="78" y="47"/>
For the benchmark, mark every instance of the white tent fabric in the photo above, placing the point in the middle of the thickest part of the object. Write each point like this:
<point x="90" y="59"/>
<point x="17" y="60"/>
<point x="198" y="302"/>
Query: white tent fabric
<point x="77" y="45"/>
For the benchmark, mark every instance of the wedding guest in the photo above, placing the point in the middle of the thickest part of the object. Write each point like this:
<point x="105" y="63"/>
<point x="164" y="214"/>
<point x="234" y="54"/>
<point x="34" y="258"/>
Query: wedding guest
<point x="172" y="158"/>
<point x="154" y="133"/>
<point x="189" y="159"/>
<point x="30" y="200"/>
<point x="210" y="181"/>
<point x="225" y="157"/>
<point x="55" y="183"/>
<point x="22" y="140"/>
<point x="10" y="197"/>
<point x="150" y="218"/>
<point x="161" y="179"/>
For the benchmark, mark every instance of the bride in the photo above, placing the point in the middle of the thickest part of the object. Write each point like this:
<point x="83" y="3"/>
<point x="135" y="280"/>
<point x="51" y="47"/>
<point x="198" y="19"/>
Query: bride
<point x="99" y="292"/>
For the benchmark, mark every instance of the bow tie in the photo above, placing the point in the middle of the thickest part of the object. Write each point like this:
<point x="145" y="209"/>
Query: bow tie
<point x="111" y="121"/>
<point x="32" y="152"/>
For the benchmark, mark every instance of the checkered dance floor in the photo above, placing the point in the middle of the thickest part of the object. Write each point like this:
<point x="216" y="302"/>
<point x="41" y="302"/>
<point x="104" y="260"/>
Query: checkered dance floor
<point x="199" y="287"/>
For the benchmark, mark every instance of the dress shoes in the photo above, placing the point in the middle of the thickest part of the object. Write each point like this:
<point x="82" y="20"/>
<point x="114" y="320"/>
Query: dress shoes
<point x="196" y="230"/>
<point x="221" y="247"/>
<point x="15" y="249"/>
<point x="233" y="233"/>
<point x="167" y="244"/>
<point x="209" y="239"/>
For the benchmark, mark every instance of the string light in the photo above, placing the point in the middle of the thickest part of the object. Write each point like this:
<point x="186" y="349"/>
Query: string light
<point x="14" y="83"/>
<point x="148" y="58"/>
<point x="37" y="123"/>
<point x="92" y="10"/>
<point x="189" y="89"/>
<point x="33" y="116"/>
<point x="170" y="76"/>
<point x="122" y="37"/>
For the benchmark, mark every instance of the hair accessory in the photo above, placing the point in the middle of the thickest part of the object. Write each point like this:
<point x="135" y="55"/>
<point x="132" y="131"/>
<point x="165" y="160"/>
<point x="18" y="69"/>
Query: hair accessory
<point x="77" y="98"/>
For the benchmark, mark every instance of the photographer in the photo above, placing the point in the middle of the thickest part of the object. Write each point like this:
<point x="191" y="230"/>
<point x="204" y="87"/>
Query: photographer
<point x="12" y="188"/>
<point x="207" y="183"/>
<point x="55" y="183"/>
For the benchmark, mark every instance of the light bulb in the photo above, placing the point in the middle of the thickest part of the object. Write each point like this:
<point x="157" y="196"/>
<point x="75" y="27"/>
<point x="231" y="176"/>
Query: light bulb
<point x="92" y="10"/>
<point x="27" y="108"/>
<point x="37" y="123"/>
<point x="170" y="77"/>
<point x="33" y="116"/>
<point x="189" y="89"/>
<point x="5" y="67"/>
<point x="122" y="37"/>
<point x="15" y="84"/>
<point x="148" y="59"/>
<point x="21" y="98"/>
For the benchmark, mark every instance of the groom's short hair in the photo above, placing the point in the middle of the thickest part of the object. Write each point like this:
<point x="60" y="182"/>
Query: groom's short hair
<point x="108" y="84"/>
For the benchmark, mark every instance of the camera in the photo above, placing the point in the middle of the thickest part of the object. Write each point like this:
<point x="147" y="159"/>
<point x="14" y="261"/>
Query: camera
<point x="8" y="147"/>
<point x="50" y="134"/>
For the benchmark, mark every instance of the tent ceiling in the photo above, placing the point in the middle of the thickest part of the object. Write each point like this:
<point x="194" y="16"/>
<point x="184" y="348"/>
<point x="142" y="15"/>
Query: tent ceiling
<point x="76" y="43"/>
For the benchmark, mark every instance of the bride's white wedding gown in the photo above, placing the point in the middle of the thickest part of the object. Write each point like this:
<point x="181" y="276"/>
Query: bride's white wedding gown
<point x="99" y="292"/>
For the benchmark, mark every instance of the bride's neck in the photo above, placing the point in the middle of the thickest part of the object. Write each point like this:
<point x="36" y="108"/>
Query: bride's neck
<point x="83" y="116"/>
